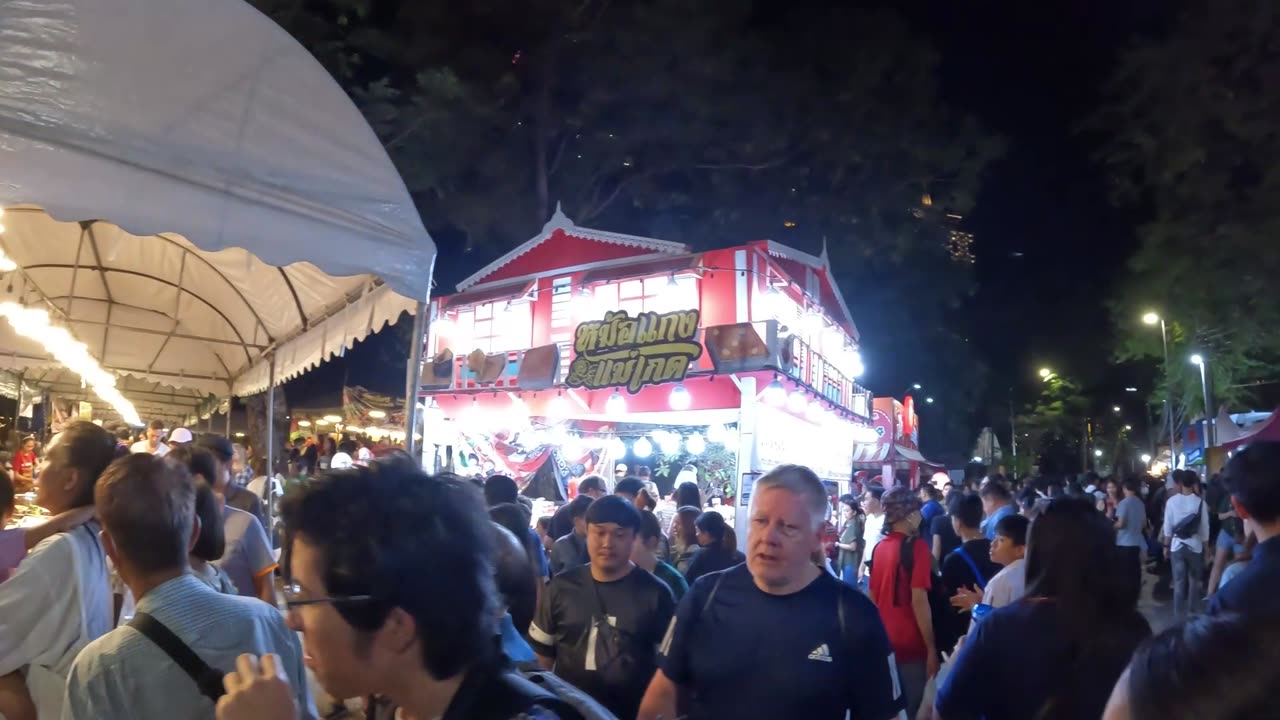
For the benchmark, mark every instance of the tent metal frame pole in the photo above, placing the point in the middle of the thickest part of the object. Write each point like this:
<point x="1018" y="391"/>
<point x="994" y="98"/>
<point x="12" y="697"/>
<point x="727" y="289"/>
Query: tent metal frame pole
<point x="413" y="376"/>
<point x="17" y="414"/>
<point x="228" y="417"/>
<point x="271" y="466"/>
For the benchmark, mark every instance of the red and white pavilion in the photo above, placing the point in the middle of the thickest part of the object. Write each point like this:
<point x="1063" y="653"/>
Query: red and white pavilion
<point x="581" y="349"/>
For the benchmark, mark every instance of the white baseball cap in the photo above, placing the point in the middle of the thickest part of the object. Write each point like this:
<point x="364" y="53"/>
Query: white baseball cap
<point x="181" y="435"/>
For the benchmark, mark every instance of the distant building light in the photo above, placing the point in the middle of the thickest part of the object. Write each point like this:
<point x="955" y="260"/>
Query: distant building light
<point x="789" y="224"/>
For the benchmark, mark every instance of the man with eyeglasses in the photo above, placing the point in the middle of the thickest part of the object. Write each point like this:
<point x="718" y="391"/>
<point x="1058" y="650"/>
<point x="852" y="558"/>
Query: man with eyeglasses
<point x="391" y="586"/>
<point x="169" y="660"/>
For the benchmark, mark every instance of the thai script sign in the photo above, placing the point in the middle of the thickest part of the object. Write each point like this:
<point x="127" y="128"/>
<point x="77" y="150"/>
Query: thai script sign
<point x="621" y="351"/>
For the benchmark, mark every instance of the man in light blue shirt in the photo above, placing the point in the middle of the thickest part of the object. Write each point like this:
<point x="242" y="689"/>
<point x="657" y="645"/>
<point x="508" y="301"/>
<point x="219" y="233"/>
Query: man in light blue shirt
<point x="997" y="502"/>
<point x="147" y="509"/>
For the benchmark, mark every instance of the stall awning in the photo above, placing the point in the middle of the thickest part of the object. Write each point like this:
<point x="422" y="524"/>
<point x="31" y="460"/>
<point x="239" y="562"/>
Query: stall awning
<point x="1268" y="430"/>
<point x="494" y="293"/>
<point x="647" y="268"/>
<point x="187" y="191"/>
<point x="870" y="456"/>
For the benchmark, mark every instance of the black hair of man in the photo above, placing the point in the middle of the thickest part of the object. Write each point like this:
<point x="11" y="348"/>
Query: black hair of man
<point x="500" y="490"/>
<point x="996" y="491"/>
<point x="1253" y="479"/>
<point x="393" y="532"/>
<point x="650" y="526"/>
<point x="578" y="507"/>
<point x="156" y="425"/>
<point x="86" y="448"/>
<point x="1133" y="484"/>
<point x="1014" y="527"/>
<point x="197" y="461"/>
<point x="211" y="544"/>
<point x="629" y="486"/>
<point x="643" y="472"/>
<point x="124" y="433"/>
<point x="591" y="483"/>
<point x="348" y="446"/>
<point x="875" y="490"/>
<point x="147" y="505"/>
<point x="616" y="510"/>
<point x="968" y="511"/>
<point x="1188" y="479"/>
<point x="220" y="445"/>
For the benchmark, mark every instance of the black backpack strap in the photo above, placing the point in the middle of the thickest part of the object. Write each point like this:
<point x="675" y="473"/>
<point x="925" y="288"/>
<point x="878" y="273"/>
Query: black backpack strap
<point x="206" y="678"/>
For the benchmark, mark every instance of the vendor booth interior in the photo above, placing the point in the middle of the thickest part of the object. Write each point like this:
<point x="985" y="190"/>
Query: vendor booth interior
<point x="582" y="351"/>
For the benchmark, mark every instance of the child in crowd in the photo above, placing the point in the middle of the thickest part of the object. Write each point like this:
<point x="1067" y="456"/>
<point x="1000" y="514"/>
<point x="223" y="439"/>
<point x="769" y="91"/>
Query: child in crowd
<point x="1008" y="549"/>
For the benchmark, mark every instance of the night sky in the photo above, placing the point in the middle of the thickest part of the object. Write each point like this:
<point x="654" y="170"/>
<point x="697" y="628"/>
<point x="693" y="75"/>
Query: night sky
<point x="1048" y="242"/>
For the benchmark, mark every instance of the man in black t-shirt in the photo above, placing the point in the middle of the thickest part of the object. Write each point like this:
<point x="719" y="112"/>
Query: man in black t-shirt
<point x="777" y="637"/>
<point x="599" y="625"/>
<point x="968" y="566"/>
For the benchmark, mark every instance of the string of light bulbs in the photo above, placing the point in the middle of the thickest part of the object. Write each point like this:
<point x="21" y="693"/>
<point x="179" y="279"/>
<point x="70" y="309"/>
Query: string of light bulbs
<point x="57" y="341"/>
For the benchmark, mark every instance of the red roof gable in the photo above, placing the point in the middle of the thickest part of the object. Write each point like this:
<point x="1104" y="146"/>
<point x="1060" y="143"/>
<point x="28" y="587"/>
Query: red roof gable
<point x="559" y="250"/>
<point x="797" y="264"/>
<point x="562" y="244"/>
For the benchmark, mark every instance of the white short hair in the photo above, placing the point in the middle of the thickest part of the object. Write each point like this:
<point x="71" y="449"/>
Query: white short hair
<point x="803" y="482"/>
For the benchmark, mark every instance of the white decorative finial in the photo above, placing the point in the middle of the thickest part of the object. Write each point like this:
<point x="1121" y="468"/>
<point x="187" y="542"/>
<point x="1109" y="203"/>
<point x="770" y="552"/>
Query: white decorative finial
<point x="826" y="259"/>
<point x="558" y="221"/>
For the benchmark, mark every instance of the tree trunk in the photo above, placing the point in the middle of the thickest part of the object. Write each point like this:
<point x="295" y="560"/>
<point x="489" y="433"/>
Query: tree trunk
<point x="256" y="411"/>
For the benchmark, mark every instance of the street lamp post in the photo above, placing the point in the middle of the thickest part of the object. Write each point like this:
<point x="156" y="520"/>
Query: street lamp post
<point x="1151" y="319"/>
<point x="1199" y="361"/>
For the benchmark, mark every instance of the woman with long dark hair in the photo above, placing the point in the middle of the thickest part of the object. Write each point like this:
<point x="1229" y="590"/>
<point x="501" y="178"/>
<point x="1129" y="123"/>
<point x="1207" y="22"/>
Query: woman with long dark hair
<point x="684" y="538"/>
<point x="1054" y="654"/>
<point x="719" y="546"/>
<point x="1208" y="668"/>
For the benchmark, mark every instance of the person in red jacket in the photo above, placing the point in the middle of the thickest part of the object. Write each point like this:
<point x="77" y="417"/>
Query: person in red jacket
<point x="901" y="575"/>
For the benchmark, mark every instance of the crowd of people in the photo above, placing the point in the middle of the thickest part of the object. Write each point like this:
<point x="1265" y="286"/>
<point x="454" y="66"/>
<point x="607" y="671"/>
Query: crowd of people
<point x="151" y="593"/>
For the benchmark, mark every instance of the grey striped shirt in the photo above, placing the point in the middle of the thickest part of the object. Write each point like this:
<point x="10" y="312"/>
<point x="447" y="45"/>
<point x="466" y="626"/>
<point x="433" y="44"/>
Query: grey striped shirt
<point x="124" y="675"/>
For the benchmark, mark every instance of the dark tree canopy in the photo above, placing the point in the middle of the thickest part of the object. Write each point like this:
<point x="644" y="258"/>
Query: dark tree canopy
<point x="707" y="123"/>
<point x="1194" y="153"/>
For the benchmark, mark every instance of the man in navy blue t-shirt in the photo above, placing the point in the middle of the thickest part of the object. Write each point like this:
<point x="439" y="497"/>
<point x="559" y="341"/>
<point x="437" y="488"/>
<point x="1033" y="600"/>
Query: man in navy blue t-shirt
<point x="776" y="637"/>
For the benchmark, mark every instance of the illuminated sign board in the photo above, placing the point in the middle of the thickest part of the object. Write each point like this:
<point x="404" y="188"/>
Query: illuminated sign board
<point x="622" y="351"/>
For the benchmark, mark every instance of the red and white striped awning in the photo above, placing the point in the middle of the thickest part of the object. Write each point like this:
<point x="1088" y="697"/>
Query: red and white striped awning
<point x="871" y="456"/>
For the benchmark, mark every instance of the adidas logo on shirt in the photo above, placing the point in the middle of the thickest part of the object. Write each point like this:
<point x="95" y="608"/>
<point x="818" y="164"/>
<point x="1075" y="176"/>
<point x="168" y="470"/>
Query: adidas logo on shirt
<point x="821" y="653"/>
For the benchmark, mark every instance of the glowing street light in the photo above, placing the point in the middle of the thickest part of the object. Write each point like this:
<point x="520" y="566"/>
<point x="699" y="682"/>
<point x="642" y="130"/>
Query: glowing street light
<point x="1151" y="318"/>
<point x="1199" y="361"/>
<point x="1146" y="458"/>
<point x="929" y="400"/>
<point x="1128" y="428"/>
<point x="1046" y="373"/>
<point x="1115" y="409"/>
<point x="1097" y="453"/>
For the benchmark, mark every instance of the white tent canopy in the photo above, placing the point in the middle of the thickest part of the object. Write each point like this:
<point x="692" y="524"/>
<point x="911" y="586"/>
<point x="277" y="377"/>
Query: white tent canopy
<point x="187" y="191"/>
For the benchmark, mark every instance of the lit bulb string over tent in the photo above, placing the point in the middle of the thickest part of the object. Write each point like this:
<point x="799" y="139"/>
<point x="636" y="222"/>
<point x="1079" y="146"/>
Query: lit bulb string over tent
<point x="199" y="203"/>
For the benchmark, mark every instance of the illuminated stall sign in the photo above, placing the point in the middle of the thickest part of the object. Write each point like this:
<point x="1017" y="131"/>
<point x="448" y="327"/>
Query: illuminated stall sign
<point x="621" y="351"/>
